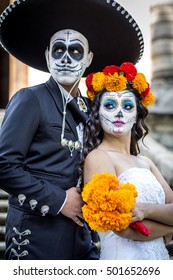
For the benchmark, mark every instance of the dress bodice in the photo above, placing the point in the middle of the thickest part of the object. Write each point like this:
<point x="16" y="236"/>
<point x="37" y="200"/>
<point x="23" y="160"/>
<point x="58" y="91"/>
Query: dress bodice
<point x="149" y="191"/>
<point x="148" y="188"/>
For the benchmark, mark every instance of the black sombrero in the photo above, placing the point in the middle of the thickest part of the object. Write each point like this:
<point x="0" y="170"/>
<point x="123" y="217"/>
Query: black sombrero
<point x="26" y="27"/>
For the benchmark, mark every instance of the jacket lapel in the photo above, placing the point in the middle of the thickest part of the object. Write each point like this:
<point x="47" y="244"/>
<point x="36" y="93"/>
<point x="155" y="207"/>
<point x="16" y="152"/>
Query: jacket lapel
<point x="73" y="114"/>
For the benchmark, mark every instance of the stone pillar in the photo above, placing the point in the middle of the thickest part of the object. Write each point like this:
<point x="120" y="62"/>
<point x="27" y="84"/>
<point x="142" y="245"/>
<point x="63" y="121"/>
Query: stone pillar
<point x="162" y="41"/>
<point x="161" y="114"/>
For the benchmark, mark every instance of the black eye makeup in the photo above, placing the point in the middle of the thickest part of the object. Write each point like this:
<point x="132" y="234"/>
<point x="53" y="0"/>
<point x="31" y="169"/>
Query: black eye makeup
<point x="76" y="51"/>
<point x="58" y="50"/>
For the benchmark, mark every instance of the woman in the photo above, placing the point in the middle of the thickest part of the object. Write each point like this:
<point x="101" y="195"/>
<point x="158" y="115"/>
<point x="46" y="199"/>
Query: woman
<point x="117" y="122"/>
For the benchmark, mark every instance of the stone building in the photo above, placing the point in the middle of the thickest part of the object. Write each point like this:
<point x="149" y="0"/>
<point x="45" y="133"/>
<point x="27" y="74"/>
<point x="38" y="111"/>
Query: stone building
<point x="160" y="119"/>
<point x="162" y="72"/>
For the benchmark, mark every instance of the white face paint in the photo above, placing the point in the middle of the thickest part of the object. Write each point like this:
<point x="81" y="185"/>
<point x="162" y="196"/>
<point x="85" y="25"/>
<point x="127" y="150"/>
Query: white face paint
<point x="118" y="112"/>
<point x="68" y="56"/>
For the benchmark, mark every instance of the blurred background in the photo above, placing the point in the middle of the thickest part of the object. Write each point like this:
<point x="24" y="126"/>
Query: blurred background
<point x="155" y="18"/>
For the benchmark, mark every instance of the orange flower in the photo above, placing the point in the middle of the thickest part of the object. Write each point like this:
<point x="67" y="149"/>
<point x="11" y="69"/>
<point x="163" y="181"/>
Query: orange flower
<point x="108" y="204"/>
<point x="91" y="94"/>
<point x="98" y="81"/>
<point x="115" y="82"/>
<point x="140" y="83"/>
<point x="149" y="99"/>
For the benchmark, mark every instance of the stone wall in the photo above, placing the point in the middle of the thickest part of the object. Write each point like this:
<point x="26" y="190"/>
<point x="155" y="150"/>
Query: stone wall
<point x="161" y="128"/>
<point x="162" y="40"/>
<point x="161" y="114"/>
<point x="161" y="156"/>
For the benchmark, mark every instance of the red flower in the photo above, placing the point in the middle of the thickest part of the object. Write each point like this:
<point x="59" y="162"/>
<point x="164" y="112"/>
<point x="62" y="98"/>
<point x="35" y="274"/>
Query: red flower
<point x="146" y="92"/>
<point x="140" y="227"/>
<point x="129" y="69"/>
<point x="111" y="69"/>
<point x="88" y="82"/>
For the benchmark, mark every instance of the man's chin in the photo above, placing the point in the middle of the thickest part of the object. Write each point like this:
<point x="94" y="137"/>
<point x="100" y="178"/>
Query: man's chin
<point x="66" y="82"/>
<point x="66" y="79"/>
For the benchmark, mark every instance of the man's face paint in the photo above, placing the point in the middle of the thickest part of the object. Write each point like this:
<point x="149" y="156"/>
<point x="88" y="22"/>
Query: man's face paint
<point x="118" y="112"/>
<point x="68" y="56"/>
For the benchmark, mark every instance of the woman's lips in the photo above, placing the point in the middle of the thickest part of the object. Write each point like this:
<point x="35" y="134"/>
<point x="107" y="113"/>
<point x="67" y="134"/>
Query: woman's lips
<point x="118" y="123"/>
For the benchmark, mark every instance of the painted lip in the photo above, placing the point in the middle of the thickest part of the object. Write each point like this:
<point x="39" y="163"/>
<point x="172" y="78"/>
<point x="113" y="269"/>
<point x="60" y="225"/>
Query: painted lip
<point x="68" y="70"/>
<point x="118" y="123"/>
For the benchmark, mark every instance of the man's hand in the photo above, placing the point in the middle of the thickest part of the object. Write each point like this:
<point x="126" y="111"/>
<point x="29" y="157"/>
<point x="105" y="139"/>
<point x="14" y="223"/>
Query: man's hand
<point x="73" y="205"/>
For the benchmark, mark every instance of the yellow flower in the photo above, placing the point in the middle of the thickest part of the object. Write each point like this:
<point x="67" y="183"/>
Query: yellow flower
<point x="108" y="204"/>
<point x="115" y="82"/>
<point x="98" y="81"/>
<point x="140" y="83"/>
<point x="149" y="99"/>
<point x="91" y="94"/>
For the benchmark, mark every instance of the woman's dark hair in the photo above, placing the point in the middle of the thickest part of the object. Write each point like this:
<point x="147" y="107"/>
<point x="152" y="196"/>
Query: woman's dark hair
<point x="93" y="133"/>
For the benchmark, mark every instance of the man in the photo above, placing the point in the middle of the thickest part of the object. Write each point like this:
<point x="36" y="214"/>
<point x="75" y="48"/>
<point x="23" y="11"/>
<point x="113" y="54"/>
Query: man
<point x="41" y="134"/>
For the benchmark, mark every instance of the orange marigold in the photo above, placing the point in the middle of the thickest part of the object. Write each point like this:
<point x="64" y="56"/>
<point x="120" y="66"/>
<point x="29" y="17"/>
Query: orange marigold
<point x="108" y="204"/>
<point x="91" y="94"/>
<point x="140" y="83"/>
<point x="115" y="82"/>
<point x="149" y="99"/>
<point x="98" y="81"/>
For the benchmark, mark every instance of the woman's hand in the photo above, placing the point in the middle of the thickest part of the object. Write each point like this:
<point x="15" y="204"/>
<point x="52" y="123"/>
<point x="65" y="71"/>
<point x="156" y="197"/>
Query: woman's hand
<point x="139" y="212"/>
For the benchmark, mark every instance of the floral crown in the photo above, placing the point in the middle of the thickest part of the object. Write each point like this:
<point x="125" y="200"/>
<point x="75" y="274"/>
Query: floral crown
<point x="115" y="78"/>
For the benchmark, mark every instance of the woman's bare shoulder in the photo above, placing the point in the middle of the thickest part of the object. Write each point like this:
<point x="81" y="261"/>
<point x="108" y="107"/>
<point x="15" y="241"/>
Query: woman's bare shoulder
<point x="97" y="156"/>
<point x="99" y="161"/>
<point x="147" y="161"/>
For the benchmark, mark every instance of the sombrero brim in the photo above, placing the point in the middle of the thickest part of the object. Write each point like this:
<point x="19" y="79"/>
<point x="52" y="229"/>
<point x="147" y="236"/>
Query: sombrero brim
<point x="26" y="27"/>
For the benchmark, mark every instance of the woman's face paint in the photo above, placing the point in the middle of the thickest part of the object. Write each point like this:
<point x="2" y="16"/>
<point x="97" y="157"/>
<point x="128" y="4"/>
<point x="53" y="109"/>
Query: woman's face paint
<point x="118" y="112"/>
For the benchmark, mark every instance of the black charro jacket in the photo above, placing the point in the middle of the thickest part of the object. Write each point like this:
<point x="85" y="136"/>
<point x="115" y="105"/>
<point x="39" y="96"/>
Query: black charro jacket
<point x="36" y="170"/>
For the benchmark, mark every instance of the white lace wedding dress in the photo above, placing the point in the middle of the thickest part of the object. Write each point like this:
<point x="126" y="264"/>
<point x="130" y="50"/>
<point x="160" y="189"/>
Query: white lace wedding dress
<point x="114" y="247"/>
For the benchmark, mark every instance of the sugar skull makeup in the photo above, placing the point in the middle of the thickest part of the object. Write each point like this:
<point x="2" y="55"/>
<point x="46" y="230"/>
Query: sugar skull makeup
<point x="68" y="56"/>
<point x="117" y="112"/>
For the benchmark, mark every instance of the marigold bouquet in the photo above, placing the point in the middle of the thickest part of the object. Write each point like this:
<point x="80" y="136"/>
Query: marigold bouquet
<point x="108" y="204"/>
